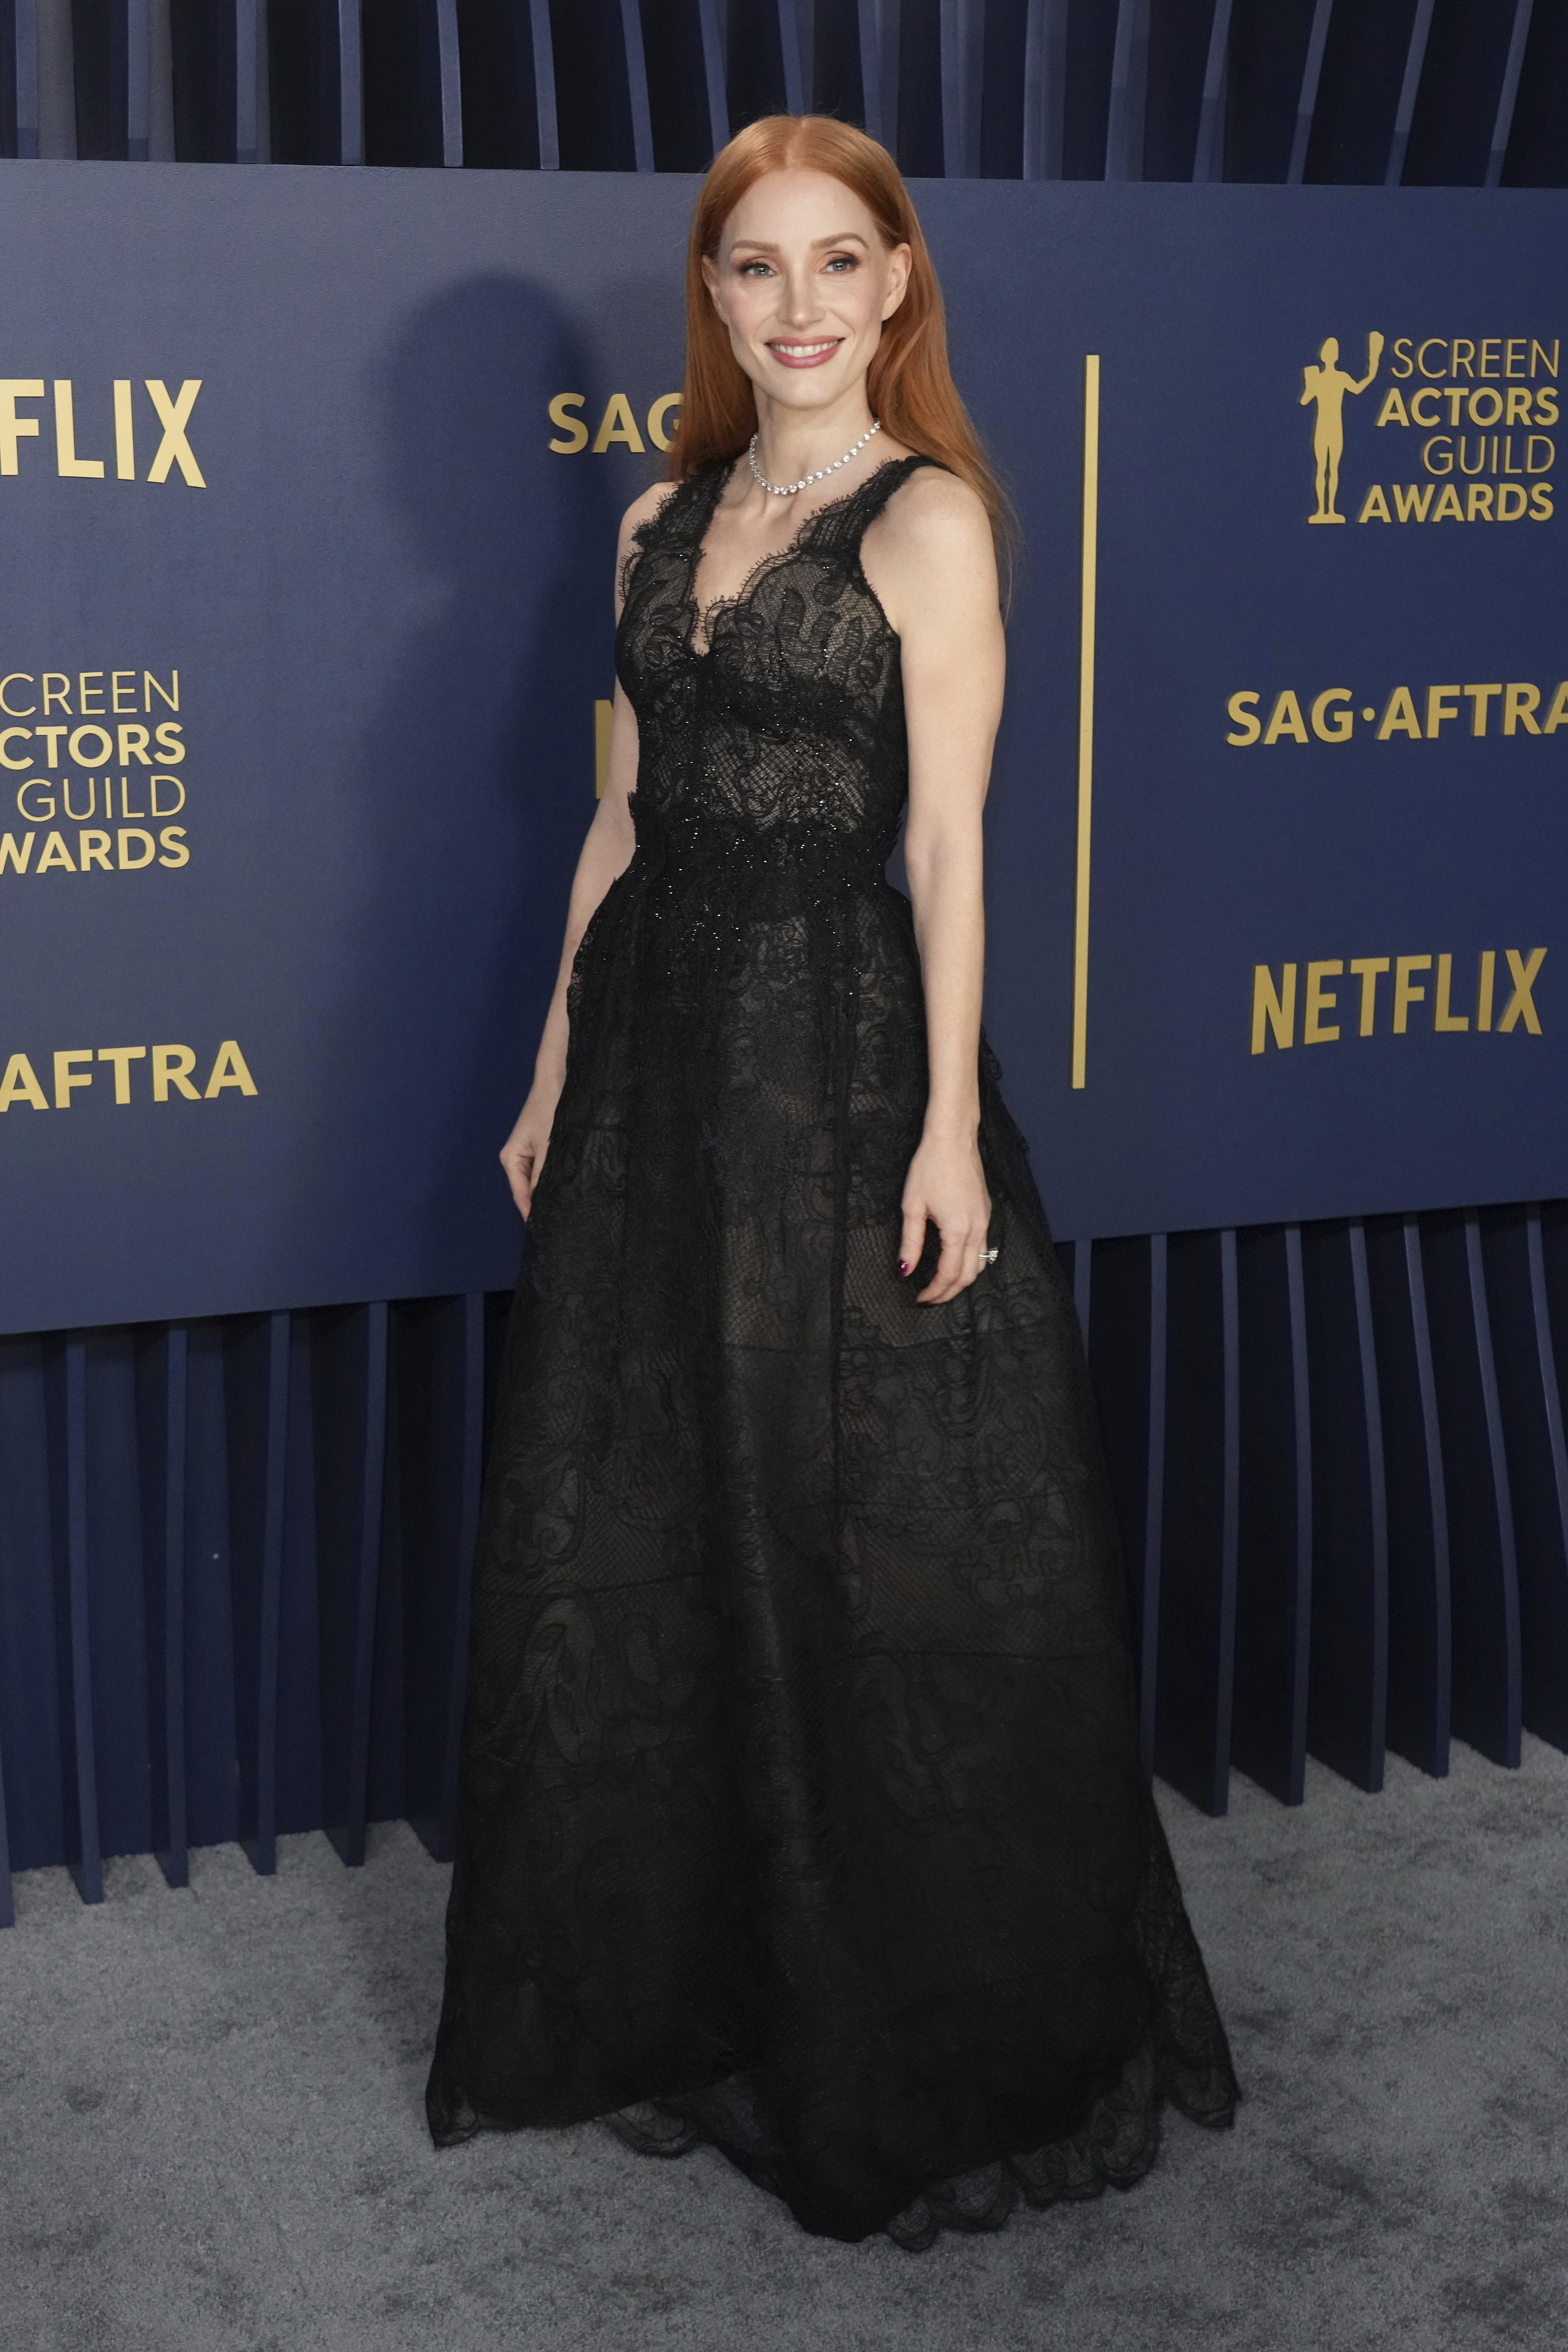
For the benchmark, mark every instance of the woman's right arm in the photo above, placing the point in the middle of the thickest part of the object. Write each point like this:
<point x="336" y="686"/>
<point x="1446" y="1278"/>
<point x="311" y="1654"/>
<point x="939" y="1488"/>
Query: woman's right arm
<point x="607" y="852"/>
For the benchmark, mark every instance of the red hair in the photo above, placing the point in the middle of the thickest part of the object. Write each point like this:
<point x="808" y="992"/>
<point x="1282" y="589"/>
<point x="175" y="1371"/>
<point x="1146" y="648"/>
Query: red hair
<point x="908" y="383"/>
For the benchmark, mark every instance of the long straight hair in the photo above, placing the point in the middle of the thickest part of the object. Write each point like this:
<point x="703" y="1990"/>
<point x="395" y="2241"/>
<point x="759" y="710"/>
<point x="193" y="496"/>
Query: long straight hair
<point x="909" y="384"/>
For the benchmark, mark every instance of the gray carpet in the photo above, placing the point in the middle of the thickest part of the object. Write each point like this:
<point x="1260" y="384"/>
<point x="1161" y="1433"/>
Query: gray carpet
<point x="211" y="2134"/>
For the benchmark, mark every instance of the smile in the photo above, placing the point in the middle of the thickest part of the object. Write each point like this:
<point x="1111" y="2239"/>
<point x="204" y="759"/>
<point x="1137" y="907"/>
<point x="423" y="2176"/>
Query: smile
<point x="804" y="354"/>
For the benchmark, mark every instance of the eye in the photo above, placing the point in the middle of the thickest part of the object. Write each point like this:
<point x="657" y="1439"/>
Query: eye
<point x="843" y="261"/>
<point x="750" y="269"/>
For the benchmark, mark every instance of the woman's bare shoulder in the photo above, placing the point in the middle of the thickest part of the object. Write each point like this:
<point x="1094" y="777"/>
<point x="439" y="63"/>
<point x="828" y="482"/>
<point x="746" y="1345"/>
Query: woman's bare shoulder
<point x="932" y="516"/>
<point x="930" y="554"/>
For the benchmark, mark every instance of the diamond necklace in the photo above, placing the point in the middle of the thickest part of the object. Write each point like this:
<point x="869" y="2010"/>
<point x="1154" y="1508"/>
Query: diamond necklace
<point x="788" y="490"/>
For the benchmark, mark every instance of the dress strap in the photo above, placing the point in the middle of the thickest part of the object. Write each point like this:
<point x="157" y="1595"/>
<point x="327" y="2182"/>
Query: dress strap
<point x="686" y="514"/>
<point x="844" y="524"/>
<point x="679" y="523"/>
<point x="875" y="492"/>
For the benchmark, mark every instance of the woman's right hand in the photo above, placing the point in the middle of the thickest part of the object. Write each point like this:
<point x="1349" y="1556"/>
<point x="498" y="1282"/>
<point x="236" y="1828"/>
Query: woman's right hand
<point x="522" y="1153"/>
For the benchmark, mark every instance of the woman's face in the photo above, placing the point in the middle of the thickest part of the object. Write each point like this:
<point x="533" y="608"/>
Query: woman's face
<point x="803" y="283"/>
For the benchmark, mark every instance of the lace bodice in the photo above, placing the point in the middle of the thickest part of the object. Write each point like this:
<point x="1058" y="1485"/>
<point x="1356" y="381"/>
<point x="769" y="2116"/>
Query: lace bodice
<point x="778" y="713"/>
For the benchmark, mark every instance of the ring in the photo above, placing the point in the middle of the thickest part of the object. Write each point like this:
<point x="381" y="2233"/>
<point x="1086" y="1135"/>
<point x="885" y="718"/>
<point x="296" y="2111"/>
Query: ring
<point x="989" y="1257"/>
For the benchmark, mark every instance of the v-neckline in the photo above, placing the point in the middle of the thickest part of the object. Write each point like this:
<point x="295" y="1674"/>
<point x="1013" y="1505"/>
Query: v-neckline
<point x="702" y="616"/>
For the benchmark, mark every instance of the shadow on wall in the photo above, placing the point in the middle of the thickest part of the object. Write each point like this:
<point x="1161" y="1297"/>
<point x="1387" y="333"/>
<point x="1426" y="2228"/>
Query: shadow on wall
<point x="477" y="775"/>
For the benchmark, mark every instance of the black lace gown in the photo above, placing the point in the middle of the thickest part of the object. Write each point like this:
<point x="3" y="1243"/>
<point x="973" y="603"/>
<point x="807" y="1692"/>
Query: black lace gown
<point x="801" y="1793"/>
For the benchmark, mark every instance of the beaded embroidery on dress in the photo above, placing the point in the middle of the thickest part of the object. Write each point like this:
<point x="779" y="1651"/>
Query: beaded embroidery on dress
<point x="800" y="1791"/>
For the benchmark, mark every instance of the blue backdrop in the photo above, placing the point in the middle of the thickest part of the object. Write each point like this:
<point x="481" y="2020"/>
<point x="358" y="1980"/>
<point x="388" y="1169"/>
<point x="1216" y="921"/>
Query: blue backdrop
<point x="324" y="897"/>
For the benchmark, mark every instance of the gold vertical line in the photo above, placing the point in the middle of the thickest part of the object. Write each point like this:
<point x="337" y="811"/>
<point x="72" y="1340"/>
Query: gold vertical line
<point x="1086" y="714"/>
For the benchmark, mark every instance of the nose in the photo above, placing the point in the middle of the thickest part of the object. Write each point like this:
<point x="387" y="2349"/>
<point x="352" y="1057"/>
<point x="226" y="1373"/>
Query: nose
<point x="801" y="304"/>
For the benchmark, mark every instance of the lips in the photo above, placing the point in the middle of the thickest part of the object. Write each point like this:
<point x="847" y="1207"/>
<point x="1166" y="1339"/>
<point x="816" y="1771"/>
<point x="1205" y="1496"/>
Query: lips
<point x="805" y="355"/>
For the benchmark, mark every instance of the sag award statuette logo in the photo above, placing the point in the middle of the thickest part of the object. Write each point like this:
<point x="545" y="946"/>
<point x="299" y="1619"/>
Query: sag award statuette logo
<point x="1325" y="386"/>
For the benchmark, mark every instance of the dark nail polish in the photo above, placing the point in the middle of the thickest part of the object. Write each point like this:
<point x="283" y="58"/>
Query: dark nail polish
<point x="903" y="1266"/>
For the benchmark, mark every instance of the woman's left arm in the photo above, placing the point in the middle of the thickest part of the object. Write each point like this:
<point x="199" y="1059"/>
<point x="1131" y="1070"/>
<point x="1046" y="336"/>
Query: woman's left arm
<point x="932" y="563"/>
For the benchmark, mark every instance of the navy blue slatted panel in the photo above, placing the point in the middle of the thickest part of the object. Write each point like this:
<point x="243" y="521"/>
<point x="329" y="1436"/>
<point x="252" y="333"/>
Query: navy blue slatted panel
<point x="1538" y="141"/>
<point x="1409" y="91"/>
<point x="497" y="99"/>
<point x="1529" y="1412"/>
<point x="438" y="1415"/>
<point x="637" y="86"/>
<point x="1377" y="1506"/>
<point x="549" y="122"/>
<point x="118" y="1633"/>
<point x="1347" y="1700"/>
<point x="1509" y="1692"/>
<point x="475" y="1430"/>
<point x="206" y="66"/>
<point x="1508" y="95"/>
<point x="246" y="91"/>
<point x="676" y="80"/>
<point x="833" y="61"/>
<point x="593" y="101"/>
<point x="1417" y="1540"/>
<point x="1151" y="1549"/>
<point x="1547" y="1231"/>
<point x="753" y="60"/>
<point x="349" y="1369"/>
<point x="1151" y="1552"/>
<point x="400" y="49"/>
<point x="7" y="1907"/>
<point x="21" y="124"/>
<point x="1118" y="1359"/>
<point x="211" y="1739"/>
<point x="33" y="1727"/>
<point x="351" y="84"/>
<point x="257" y="1399"/>
<point x="1265" y="60"/>
<point x="99" y="30"/>
<point x="403" y="1567"/>
<point x="1312" y="82"/>
<point x="710" y="23"/>
<point x="1195" y="1578"/>
<point x="1208" y="151"/>
<point x="161" y="1364"/>
<point x="1230" y="1520"/>
<point x="1083" y="1284"/>
<point x="1273" y="1612"/>
<point x="1045" y="89"/>
<point x="1443" y="1599"/>
<point x="962" y="66"/>
<point x="796" y="42"/>
<point x="298" y="1677"/>
<point x="1003" y="37"/>
<point x="305" y="114"/>
<point x="1301" y="1387"/>
<point x="66" y="1377"/>
<point x="1176" y="53"/>
<point x="450" y="65"/>
<point x="917" y="119"/>
<point x="1461" y="85"/>
<point x="1128" y="87"/>
<point x="1485" y="1604"/>
<point x="1371" y="72"/>
<point x="138" y="92"/>
<point x="1090" y="51"/>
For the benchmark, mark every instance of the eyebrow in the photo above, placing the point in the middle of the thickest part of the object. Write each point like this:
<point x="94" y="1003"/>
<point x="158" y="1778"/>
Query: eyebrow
<point x="759" y="244"/>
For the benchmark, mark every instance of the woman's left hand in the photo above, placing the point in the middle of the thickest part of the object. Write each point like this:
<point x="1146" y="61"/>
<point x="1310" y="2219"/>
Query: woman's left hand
<point x="946" y="1183"/>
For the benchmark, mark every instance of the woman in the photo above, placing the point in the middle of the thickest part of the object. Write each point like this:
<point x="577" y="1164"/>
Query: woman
<point x="802" y="1806"/>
